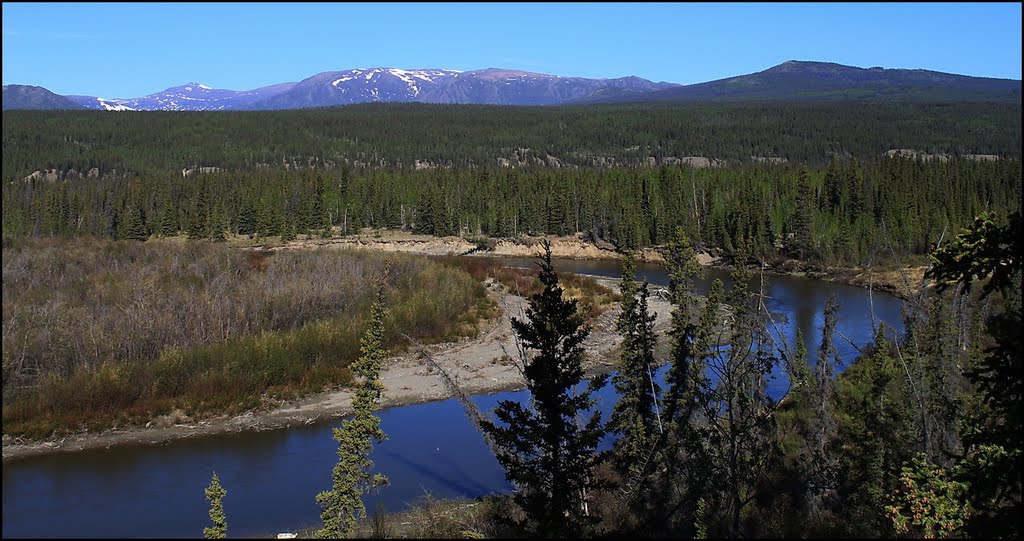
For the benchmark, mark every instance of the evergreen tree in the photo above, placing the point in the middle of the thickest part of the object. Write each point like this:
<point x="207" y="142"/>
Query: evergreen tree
<point x="680" y="468"/>
<point x="168" y="222"/>
<point x="681" y="266"/>
<point x="729" y="444"/>
<point x="878" y="434"/>
<point x="343" y="504"/>
<point x="426" y="215"/>
<point x="288" y="231"/>
<point x="820" y="462"/>
<point x="135" y="225"/>
<point x="800" y="244"/>
<point x="246" y="218"/>
<point x="832" y="188"/>
<point x="636" y="416"/>
<point x="215" y="493"/>
<point x="543" y="447"/>
<point x="112" y="220"/>
<point x="992" y="251"/>
<point x="198" y="220"/>
<point x="268" y="218"/>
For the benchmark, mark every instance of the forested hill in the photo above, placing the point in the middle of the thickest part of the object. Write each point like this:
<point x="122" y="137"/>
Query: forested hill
<point x="34" y="97"/>
<point x="427" y="136"/>
<point x="826" y="81"/>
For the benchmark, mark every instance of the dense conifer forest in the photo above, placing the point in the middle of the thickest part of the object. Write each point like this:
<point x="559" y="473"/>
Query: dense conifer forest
<point x="616" y="172"/>
<point x="480" y="135"/>
<point x="919" y="437"/>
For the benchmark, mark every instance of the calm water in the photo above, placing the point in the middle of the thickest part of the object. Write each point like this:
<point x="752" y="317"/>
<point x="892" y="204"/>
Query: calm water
<point x="273" y="477"/>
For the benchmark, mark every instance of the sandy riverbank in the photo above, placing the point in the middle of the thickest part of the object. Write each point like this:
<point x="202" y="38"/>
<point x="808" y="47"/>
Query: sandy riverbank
<point x="571" y="246"/>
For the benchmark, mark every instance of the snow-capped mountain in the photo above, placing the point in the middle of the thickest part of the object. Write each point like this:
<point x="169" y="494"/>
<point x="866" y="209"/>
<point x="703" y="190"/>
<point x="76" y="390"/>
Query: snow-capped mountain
<point x="486" y="86"/>
<point x="188" y="97"/>
<point x="793" y="80"/>
<point x="358" y="86"/>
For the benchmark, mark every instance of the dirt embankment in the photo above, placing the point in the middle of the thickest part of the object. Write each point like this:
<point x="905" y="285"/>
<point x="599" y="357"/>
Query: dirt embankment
<point x="480" y="365"/>
<point x="904" y="283"/>
<point x="571" y="246"/>
<point x="901" y="283"/>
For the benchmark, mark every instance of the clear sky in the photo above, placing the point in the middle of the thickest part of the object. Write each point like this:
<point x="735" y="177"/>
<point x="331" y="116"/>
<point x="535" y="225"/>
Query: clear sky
<point x="130" y="50"/>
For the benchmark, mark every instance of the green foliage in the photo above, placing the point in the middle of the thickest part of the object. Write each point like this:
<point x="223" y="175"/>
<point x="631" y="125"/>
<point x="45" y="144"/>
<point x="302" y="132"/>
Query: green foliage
<point x="681" y="266"/>
<point x="343" y="505"/>
<point x="836" y="200"/>
<point x="875" y="409"/>
<point x="460" y="135"/>
<point x="215" y="494"/>
<point x="135" y="226"/>
<point x="982" y="250"/>
<point x="168" y="223"/>
<point x="325" y="177"/>
<point x="748" y="207"/>
<point x="821" y="465"/>
<point x="547" y="448"/>
<point x="803" y="219"/>
<point x="929" y="503"/>
<point x="635" y="417"/>
<point x="992" y="251"/>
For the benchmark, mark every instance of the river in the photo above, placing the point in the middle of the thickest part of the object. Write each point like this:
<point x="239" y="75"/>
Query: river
<point x="273" y="477"/>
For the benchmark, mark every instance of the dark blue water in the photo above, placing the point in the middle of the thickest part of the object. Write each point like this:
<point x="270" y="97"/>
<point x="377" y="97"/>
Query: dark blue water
<point x="273" y="477"/>
<point x="794" y="303"/>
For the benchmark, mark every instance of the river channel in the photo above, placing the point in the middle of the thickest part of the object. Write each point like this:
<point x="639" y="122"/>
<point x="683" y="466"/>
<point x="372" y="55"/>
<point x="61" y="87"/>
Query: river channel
<point x="273" y="477"/>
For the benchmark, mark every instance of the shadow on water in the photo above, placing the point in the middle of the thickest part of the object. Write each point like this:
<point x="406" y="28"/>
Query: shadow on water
<point x="272" y="477"/>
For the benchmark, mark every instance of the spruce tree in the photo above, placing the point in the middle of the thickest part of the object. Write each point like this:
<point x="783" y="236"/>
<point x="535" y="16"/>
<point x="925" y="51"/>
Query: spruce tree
<point x="198" y="224"/>
<point x="728" y="442"/>
<point x="546" y="447"/>
<point x="215" y="493"/>
<point x="879" y="436"/>
<point x="168" y="222"/>
<point x="636" y="417"/>
<point x="426" y="219"/>
<point x="681" y="266"/>
<point x="674" y="458"/>
<point x="989" y="253"/>
<point x="246" y="218"/>
<point x="343" y="504"/>
<point x="135" y="225"/>
<point x="800" y="245"/>
<point x="288" y="231"/>
<point x="820" y="462"/>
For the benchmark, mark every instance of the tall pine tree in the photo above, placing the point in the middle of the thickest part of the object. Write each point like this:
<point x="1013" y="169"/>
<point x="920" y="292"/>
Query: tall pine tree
<point x="546" y="447"/>
<point x="343" y="504"/>
<point x="636" y="416"/>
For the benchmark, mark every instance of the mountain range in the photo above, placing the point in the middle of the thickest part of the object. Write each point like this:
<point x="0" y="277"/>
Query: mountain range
<point x="792" y="81"/>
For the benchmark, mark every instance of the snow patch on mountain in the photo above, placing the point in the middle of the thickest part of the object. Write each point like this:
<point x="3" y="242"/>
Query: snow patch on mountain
<point x="113" y="105"/>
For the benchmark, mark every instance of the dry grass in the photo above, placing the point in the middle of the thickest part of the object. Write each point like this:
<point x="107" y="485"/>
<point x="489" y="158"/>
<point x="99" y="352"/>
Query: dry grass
<point x="594" y="299"/>
<point x="99" y="333"/>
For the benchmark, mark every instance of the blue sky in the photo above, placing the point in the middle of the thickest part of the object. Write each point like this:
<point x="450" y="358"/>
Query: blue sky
<point x="129" y="50"/>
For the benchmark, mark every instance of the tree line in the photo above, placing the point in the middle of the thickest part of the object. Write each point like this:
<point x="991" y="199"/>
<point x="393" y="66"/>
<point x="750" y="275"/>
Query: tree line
<point x="401" y="135"/>
<point x="844" y="212"/>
